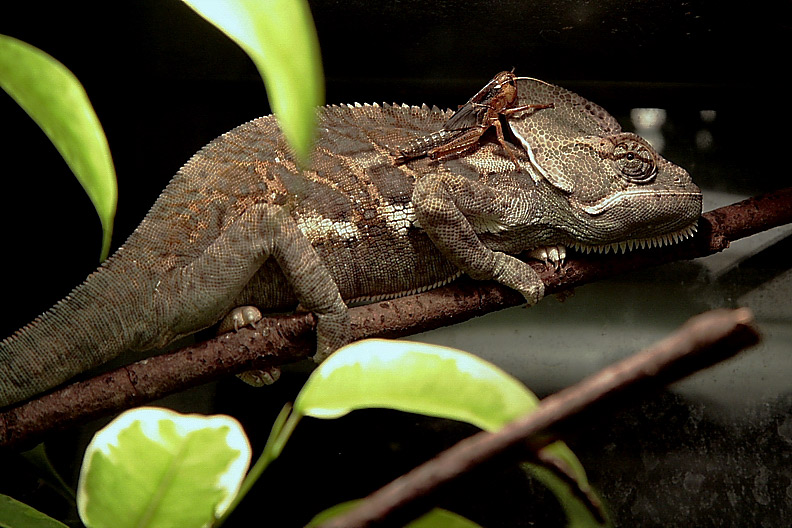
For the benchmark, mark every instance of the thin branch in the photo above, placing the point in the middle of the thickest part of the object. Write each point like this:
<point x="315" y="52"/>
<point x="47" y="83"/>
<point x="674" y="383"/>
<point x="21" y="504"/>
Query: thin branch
<point x="704" y="340"/>
<point x="286" y="339"/>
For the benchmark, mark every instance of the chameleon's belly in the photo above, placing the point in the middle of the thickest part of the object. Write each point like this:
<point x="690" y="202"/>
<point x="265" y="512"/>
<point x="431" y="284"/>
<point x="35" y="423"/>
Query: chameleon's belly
<point x="385" y="267"/>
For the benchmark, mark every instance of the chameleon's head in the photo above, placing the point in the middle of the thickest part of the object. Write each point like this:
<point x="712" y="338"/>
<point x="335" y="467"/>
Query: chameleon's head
<point x="621" y="192"/>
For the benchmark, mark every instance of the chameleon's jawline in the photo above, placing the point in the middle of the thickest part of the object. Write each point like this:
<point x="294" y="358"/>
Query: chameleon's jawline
<point x="607" y="203"/>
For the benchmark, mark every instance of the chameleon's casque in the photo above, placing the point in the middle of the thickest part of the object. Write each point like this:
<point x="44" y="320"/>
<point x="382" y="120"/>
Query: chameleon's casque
<point x="240" y="224"/>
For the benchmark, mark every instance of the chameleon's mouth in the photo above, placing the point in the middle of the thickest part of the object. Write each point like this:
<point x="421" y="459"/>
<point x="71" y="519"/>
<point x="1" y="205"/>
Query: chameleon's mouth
<point x="657" y="241"/>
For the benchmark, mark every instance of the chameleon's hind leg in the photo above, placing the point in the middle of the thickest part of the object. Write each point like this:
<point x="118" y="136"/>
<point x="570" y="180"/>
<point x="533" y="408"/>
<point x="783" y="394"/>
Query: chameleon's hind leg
<point x="308" y="277"/>
<point x="314" y="287"/>
<point x="248" y="316"/>
<point x="204" y="291"/>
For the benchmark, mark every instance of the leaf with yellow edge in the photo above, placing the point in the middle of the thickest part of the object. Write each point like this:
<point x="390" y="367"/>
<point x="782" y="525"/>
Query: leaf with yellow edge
<point x="434" y="381"/>
<point x="155" y="467"/>
<point x="57" y="102"/>
<point x="280" y="38"/>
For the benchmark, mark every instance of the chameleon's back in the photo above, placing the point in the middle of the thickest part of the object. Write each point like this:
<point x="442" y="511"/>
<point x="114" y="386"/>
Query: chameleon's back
<point x="352" y="203"/>
<point x="350" y="174"/>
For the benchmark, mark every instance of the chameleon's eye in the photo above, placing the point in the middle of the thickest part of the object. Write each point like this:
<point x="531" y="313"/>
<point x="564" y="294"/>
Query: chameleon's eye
<point x="635" y="161"/>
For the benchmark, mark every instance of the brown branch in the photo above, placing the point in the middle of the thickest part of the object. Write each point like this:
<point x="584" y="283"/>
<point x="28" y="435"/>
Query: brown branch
<point x="285" y="339"/>
<point x="702" y="341"/>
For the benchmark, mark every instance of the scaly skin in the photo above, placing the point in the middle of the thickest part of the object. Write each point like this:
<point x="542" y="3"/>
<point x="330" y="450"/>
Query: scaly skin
<point x="240" y="225"/>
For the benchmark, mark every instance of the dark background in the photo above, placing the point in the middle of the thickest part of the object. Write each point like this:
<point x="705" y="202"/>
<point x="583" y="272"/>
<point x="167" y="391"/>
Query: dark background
<point x="164" y="83"/>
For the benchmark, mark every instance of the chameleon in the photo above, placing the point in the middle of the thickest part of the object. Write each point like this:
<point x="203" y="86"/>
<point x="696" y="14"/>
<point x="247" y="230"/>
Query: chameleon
<point x="464" y="129"/>
<point x="242" y="225"/>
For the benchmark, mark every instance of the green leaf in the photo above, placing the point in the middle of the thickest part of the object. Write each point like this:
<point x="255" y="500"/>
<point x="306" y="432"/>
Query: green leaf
<point x="434" y="381"/>
<point x="414" y="377"/>
<point x="154" y="467"/>
<point x="437" y="518"/>
<point x="14" y="514"/>
<point x="280" y="37"/>
<point x="57" y="102"/>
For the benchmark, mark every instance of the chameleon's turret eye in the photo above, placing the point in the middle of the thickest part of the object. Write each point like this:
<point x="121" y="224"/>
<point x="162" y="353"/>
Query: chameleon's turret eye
<point x="635" y="161"/>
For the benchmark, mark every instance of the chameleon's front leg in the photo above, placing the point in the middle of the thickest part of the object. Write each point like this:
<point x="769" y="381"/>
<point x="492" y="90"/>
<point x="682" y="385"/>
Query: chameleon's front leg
<point x="447" y="207"/>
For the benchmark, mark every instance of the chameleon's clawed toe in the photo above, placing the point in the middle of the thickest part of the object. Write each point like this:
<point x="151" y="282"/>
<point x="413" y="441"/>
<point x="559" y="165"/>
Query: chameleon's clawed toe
<point x="260" y="378"/>
<point x="239" y="317"/>
<point x="551" y="255"/>
<point x="248" y="316"/>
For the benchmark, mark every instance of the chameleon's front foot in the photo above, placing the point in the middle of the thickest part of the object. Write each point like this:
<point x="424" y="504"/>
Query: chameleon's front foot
<point x="518" y="275"/>
<point x="236" y="319"/>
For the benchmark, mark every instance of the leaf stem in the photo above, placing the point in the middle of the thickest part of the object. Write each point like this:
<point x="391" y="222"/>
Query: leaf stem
<point x="281" y="431"/>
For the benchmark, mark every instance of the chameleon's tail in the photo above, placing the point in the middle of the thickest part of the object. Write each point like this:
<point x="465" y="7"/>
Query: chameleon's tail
<point x="82" y="331"/>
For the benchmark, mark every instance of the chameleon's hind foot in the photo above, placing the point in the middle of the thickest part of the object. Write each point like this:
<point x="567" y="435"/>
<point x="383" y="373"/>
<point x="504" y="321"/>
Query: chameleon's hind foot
<point x="236" y="319"/>
<point x="332" y="332"/>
